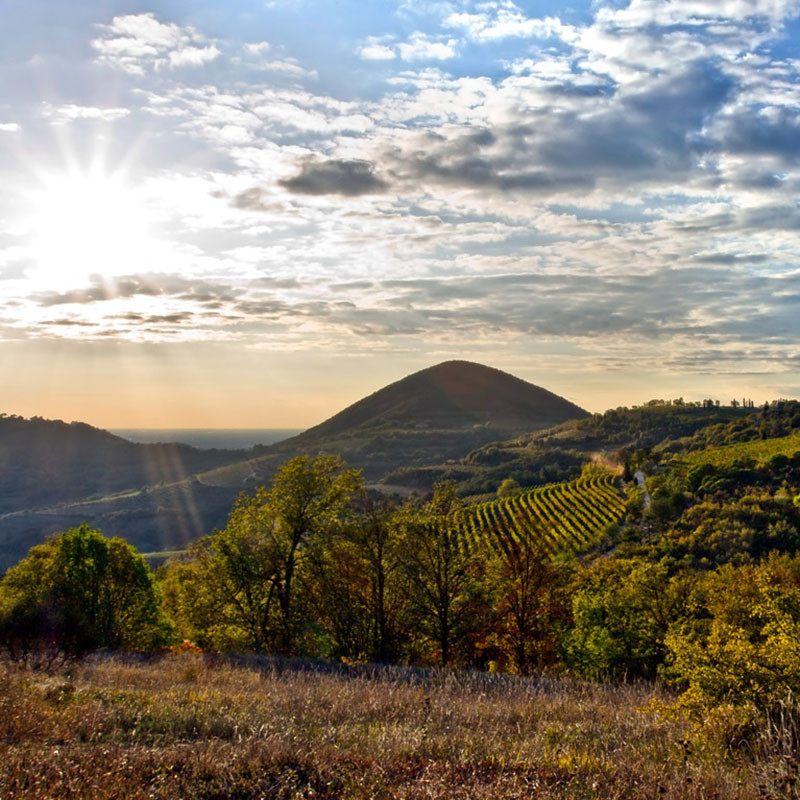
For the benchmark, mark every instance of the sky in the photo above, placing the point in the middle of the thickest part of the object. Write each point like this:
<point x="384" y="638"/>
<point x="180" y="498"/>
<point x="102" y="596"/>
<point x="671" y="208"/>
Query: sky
<point x="251" y="214"/>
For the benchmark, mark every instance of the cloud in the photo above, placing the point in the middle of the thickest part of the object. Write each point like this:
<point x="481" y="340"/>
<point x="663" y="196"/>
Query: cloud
<point x="255" y="199"/>
<point x="643" y="13"/>
<point x="421" y="47"/>
<point x="377" y="52"/>
<point x="627" y="185"/>
<point x="145" y="285"/>
<point x="350" y="178"/>
<point x="502" y="20"/>
<point x="257" y="48"/>
<point x="138" y="42"/>
<point x="9" y="127"/>
<point x="70" y="112"/>
<point x="288" y="66"/>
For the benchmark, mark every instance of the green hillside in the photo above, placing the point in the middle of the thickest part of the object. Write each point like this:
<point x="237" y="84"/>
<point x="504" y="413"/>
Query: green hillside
<point x="757" y="451"/>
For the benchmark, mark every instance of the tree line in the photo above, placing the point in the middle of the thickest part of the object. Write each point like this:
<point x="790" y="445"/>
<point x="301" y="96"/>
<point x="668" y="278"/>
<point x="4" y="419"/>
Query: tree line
<point x="311" y="566"/>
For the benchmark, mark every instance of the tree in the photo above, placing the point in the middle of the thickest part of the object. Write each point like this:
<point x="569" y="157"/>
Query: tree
<point x="308" y="498"/>
<point x="226" y="596"/>
<point x="357" y="581"/>
<point x="622" y="611"/>
<point x="508" y="488"/>
<point x="77" y="593"/>
<point x="245" y="575"/>
<point x="529" y="602"/>
<point x="745" y="648"/>
<point x="443" y="580"/>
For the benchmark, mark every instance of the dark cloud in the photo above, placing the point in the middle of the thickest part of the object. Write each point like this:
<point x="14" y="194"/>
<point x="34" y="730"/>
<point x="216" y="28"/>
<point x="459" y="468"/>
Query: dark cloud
<point x="730" y="258"/>
<point x="656" y="132"/>
<point x="348" y="285"/>
<point x="497" y="159"/>
<point x="152" y="285"/>
<point x="755" y="130"/>
<point x="255" y="199"/>
<point x="278" y="283"/>
<point x="350" y="178"/>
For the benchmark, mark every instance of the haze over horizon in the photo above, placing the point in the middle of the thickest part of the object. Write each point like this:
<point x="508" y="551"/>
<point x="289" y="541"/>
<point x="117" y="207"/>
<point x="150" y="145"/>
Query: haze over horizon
<point x="252" y="214"/>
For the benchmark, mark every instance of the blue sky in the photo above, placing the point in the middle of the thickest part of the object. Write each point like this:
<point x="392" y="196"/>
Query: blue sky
<point x="253" y="213"/>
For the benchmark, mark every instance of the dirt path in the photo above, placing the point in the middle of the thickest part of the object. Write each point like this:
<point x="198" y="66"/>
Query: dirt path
<point x="639" y="477"/>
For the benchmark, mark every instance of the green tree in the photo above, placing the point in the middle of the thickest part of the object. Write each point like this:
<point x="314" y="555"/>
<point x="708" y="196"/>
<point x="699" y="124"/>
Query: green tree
<point x="357" y="583"/>
<point x="744" y="648"/>
<point x="622" y="610"/>
<point x="508" y="488"/>
<point x="79" y="592"/>
<point x="308" y="499"/>
<point x="226" y="596"/>
<point x="444" y="582"/>
<point x="242" y="580"/>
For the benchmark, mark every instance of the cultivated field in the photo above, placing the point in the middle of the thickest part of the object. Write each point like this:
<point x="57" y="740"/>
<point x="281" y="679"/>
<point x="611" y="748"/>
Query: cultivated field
<point x="186" y="727"/>
<point x="568" y="516"/>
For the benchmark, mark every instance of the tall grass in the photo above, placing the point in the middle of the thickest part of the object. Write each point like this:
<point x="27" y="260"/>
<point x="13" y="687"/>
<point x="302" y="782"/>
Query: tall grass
<point x="191" y="727"/>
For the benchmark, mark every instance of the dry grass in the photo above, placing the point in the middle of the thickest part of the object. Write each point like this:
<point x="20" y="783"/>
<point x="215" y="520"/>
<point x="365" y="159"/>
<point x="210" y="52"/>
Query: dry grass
<point x="187" y="727"/>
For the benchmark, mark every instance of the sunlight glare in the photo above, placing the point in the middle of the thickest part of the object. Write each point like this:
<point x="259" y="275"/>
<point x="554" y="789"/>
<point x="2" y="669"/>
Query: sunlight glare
<point x="87" y="224"/>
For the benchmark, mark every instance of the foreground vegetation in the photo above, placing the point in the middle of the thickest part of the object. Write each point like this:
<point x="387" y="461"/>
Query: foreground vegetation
<point x="192" y="726"/>
<point x="679" y="599"/>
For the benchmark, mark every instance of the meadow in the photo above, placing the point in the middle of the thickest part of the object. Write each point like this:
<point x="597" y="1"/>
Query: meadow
<point x="191" y="725"/>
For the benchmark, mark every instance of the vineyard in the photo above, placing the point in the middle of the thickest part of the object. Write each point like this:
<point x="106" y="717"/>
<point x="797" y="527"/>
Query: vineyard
<point x="570" y="516"/>
<point x="757" y="451"/>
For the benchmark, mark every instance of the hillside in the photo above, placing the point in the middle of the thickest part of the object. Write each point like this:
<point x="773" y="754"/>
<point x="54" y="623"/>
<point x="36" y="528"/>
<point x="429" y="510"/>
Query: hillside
<point x="160" y="497"/>
<point x="557" y="453"/>
<point x="55" y="474"/>
<point x="453" y="394"/>
<point x="440" y="413"/>
<point x="47" y="461"/>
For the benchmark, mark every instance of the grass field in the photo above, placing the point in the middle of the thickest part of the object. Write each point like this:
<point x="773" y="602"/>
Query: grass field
<point x="184" y="727"/>
<point x="758" y="451"/>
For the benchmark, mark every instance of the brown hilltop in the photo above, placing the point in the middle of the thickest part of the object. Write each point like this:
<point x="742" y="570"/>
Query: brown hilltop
<point x="450" y="395"/>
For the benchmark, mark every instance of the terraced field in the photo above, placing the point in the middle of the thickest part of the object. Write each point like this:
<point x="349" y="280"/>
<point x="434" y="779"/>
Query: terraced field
<point x="570" y="516"/>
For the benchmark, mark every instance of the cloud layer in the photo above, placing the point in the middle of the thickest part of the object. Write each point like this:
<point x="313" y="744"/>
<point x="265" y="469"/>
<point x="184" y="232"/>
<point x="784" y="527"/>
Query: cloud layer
<point x="622" y="182"/>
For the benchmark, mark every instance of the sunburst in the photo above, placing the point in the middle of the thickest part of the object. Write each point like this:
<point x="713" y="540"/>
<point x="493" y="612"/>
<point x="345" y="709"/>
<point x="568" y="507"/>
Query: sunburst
<point x="87" y="223"/>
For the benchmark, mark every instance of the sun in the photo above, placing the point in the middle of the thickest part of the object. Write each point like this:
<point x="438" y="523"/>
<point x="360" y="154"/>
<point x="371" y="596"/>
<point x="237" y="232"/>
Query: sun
<point x="85" y="224"/>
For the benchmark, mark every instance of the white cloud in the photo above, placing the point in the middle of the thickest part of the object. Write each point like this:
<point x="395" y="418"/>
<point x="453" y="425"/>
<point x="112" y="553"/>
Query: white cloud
<point x="257" y="48"/>
<point x="635" y="180"/>
<point x="288" y="66"/>
<point x="377" y="52"/>
<point x="137" y="42"/>
<point x="504" y="20"/>
<point x="641" y="13"/>
<point x="9" y="127"/>
<point x="70" y="112"/>
<point x="422" y="48"/>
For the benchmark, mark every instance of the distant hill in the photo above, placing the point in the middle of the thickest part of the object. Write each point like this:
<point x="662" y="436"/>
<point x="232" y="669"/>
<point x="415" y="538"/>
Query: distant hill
<point x="451" y="395"/>
<point x="557" y="453"/>
<point x="54" y="474"/>
<point x="45" y="461"/>
<point x="440" y="413"/>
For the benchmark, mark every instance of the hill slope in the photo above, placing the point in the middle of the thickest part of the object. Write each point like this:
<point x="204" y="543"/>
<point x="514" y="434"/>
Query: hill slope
<point x="440" y="413"/>
<point x="453" y="394"/>
<point x="55" y="475"/>
<point x="45" y="461"/>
